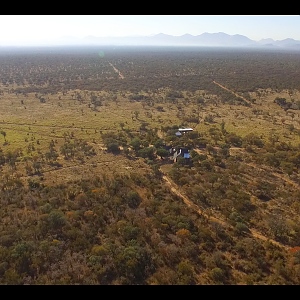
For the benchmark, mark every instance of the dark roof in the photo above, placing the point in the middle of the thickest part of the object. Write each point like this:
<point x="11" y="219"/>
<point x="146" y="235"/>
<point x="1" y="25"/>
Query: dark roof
<point x="184" y="150"/>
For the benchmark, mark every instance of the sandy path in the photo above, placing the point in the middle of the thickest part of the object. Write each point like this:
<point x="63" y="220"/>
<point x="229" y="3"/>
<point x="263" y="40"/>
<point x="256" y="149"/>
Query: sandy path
<point x="116" y="70"/>
<point x="253" y="165"/>
<point x="52" y="126"/>
<point x="232" y="92"/>
<point x="282" y="177"/>
<point x="189" y="203"/>
<point x="34" y="132"/>
<point x="256" y="234"/>
<point x="66" y="168"/>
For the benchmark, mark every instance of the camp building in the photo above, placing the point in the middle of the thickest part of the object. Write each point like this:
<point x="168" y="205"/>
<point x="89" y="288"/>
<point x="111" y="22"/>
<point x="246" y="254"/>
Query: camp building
<point x="182" y="152"/>
<point x="183" y="130"/>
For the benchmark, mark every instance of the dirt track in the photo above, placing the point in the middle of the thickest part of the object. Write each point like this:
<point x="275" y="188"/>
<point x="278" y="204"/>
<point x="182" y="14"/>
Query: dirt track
<point x="52" y="126"/>
<point x="232" y="92"/>
<point x="116" y="70"/>
<point x="189" y="203"/>
<point x="256" y="234"/>
<point x="255" y="166"/>
<point x="282" y="177"/>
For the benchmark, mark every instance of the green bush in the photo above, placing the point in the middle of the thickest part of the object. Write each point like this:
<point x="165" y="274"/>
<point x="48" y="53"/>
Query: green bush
<point x="133" y="199"/>
<point x="162" y="152"/>
<point x="234" y="140"/>
<point x="147" y="153"/>
<point x="241" y="228"/>
<point x="218" y="275"/>
<point x="136" y="144"/>
<point x="253" y="140"/>
<point x="205" y="164"/>
<point x="113" y="147"/>
<point x="56" y="220"/>
<point x="185" y="268"/>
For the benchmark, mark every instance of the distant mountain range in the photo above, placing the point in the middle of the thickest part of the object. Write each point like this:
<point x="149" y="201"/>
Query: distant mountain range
<point x="219" y="39"/>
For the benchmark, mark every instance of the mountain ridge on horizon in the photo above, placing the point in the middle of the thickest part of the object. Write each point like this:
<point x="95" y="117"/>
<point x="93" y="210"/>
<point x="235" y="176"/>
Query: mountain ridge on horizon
<point x="216" y="39"/>
<point x="204" y="39"/>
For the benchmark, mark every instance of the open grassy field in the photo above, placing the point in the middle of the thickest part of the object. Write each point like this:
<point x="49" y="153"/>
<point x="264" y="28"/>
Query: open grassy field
<point x="28" y="122"/>
<point x="32" y="121"/>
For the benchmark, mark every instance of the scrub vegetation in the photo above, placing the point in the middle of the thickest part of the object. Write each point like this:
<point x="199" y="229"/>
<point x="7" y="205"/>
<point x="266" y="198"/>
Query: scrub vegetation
<point x="90" y="193"/>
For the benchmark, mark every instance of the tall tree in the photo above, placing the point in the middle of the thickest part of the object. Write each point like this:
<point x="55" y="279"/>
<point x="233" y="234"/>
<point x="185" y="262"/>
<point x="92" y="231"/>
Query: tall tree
<point x="162" y="152"/>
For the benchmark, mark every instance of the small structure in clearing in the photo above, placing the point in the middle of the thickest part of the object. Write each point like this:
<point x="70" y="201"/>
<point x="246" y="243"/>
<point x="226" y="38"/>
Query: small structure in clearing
<point x="183" y="130"/>
<point x="182" y="152"/>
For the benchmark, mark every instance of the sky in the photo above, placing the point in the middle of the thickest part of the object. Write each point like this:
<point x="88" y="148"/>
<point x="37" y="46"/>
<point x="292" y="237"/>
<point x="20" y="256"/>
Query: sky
<point x="38" y="29"/>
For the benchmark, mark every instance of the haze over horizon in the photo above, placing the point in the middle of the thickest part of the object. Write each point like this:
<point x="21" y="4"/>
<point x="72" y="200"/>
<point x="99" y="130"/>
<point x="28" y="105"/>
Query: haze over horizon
<point x="27" y="30"/>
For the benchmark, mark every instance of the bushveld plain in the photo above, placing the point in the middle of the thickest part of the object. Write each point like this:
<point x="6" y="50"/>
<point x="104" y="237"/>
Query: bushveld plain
<point x="91" y="195"/>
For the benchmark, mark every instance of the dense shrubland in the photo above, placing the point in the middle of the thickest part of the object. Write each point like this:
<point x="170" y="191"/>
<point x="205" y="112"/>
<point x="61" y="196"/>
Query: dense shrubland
<point x="107" y="231"/>
<point x="128" y="227"/>
<point x="242" y="71"/>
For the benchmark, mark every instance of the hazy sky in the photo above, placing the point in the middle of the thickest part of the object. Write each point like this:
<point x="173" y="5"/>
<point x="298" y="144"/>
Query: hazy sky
<point x="38" y="29"/>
